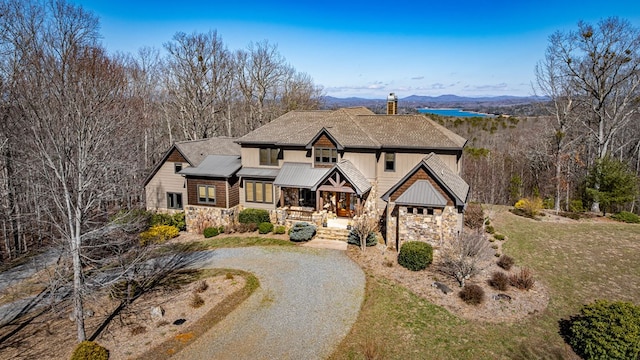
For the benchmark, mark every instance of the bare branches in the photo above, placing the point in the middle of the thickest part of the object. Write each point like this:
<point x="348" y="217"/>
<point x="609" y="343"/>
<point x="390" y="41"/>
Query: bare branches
<point x="464" y="257"/>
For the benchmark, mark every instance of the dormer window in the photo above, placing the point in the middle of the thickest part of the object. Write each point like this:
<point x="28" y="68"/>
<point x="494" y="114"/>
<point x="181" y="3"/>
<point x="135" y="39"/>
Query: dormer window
<point x="325" y="155"/>
<point x="269" y="156"/>
<point x="177" y="167"/>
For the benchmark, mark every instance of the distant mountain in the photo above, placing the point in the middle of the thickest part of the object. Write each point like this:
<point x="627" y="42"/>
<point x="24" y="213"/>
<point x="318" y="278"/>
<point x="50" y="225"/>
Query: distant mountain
<point x="442" y="99"/>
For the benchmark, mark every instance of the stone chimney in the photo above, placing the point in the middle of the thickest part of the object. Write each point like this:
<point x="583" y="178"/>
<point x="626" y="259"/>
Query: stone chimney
<point x="392" y="104"/>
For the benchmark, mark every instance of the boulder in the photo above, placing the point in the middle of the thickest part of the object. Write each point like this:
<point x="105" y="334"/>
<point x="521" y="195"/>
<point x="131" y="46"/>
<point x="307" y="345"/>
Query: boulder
<point x="442" y="287"/>
<point x="157" y="312"/>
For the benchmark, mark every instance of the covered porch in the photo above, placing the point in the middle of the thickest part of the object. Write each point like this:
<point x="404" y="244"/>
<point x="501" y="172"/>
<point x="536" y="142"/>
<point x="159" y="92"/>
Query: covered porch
<point x="308" y="193"/>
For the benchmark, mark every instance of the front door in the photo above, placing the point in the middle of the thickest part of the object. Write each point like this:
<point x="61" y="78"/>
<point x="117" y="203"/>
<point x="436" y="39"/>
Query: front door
<point x="343" y="206"/>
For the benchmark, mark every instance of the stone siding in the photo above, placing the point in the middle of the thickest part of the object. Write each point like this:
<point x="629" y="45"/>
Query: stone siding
<point x="200" y="217"/>
<point x="437" y="229"/>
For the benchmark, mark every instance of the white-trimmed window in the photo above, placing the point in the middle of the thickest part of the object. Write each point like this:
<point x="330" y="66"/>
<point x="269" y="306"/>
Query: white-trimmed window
<point x="206" y="194"/>
<point x="258" y="191"/>
<point x="174" y="201"/>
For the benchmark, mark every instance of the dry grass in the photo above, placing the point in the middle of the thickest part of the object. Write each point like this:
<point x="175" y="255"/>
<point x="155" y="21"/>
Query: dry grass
<point x="576" y="261"/>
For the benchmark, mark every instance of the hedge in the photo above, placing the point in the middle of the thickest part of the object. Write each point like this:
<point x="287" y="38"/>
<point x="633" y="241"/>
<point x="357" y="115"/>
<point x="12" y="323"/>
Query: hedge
<point x="253" y="216"/>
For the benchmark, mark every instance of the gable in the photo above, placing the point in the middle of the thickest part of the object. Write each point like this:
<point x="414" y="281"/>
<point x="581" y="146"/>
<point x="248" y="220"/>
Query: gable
<point x="176" y="156"/>
<point x="324" y="141"/>
<point x="420" y="175"/>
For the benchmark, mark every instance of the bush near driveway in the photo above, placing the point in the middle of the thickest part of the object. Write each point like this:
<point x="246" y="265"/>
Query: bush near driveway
<point x="415" y="255"/>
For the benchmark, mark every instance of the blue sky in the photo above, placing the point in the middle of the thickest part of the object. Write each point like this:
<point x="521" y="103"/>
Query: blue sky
<point x="371" y="48"/>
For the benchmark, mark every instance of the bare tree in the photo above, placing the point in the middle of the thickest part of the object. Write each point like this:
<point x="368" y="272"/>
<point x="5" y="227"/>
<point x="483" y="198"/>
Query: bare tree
<point x="198" y="69"/>
<point x="602" y="64"/>
<point x="464" y="256"/>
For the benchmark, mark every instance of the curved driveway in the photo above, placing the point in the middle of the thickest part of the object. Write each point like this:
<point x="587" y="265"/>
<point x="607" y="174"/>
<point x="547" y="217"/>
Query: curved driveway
<point x="307" y="302"/>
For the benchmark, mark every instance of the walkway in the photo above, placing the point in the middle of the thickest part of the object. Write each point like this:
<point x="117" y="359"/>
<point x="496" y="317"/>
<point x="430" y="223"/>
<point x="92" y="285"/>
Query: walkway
<point x="306" y="304"/>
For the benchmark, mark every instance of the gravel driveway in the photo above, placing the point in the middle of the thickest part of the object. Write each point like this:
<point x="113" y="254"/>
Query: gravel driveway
<point x="307" y="302"/>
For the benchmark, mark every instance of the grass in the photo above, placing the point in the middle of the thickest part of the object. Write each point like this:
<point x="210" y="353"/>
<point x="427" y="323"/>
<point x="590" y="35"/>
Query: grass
<point x="226" y="242"/>
<point x="577" y="263"/>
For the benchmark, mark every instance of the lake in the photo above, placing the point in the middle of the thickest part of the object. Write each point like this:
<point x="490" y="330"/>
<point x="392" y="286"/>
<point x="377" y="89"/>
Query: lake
<point x="452" y="112"/>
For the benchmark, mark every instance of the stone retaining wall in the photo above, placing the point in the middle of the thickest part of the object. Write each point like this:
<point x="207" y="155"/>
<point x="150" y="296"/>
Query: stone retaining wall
<point x="198" y="218"/>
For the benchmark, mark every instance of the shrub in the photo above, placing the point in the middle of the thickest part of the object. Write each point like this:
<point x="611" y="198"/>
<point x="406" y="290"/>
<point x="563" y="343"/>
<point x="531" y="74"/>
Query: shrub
<point x="89" y="350"/>
<point x="210" y="232"/>
<point x="265" y="228"/>
<point x="474" y="216"/>
<point x="280" y="229"/>
<point x="250" y="227"/>
<point x="530" y="207"/>
<point x="498" y="236"/>
<point x="158" y="234"/>
<point x="506" y="262"/>
<point x="576" y="206"/>
<point x="302" y="231"/>
<point x="627" y="217"/>
<point x="221" y="229"/>
<point x="196" y="301"/>
<point x="489" y="229"/>
<point x="606" y="330"/>
<point x="354" y="239"/>
<point x="253" y="216"/>
<point x="176" y="220"/>
<point x="548" y="203"/>
<point x="472" y="294"/>
<point x="464" y="256"/>
<point x="138" y="330"/>
<point x="522" y="280"/>
<point x="415" y="255"/>
<point x="202" y="286"/>
<point x="499" y="281"/>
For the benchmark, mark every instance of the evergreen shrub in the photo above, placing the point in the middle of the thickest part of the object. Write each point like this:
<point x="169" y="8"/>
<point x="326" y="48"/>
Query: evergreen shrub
<point x="415" y="255"/>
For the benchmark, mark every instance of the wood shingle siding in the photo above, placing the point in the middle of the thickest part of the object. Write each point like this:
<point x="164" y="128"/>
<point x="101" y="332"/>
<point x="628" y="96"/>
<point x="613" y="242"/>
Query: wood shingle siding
<point x="325" y="142"/>
<point x="221" y="191"/>
<point x="234" y="192"/>
<point x="175" y="156"/>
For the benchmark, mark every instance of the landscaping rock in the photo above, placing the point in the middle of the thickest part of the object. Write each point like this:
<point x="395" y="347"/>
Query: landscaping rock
<point x="502" y="297"/>
<point x="442" y="287"/>
<point x="157" y="312"/>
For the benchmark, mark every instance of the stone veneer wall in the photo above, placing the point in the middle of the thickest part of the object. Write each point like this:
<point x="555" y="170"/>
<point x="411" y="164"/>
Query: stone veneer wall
<point x="436" y="229"/>
<point x="198" y="218"/>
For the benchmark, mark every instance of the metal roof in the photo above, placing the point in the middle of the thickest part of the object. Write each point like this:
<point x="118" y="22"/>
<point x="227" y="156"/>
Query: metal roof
<point x="422" y="193"/>
<point x="299" y="175"/>
<point x="442" y="174"/>
<point x="197" y="150"/>
<point x="253" y="172"/>
<point x="215" y="166"/>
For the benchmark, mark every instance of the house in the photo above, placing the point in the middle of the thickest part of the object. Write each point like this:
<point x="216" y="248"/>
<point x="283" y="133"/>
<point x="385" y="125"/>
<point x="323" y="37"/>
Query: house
<point x="165" y="187"/>
<point x="320" y="164"/>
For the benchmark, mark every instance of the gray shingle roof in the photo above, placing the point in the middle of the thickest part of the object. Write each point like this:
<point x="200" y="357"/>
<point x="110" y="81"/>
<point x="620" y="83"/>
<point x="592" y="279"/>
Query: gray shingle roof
<point x="299" y="175"/>
<point x="197" y="150"/>
<point x="421" y="193"/>
<point x="224" y="166"/>
<point x="447" y="177"/>
<point x="354" y="176"/>
<point x="356" y="128"/>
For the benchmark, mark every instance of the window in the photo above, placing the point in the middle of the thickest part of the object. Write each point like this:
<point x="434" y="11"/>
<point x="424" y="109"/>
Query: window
<point x="174" y="201"/>
<point x="177" y="167"/>
<point x="206" y="194"/>
<point x="258" y="191"/>
<point x="420" y="211"/>
<point x="268" y="156"/>
<point x="326" y="155"/>
<point x="390" y="162"/>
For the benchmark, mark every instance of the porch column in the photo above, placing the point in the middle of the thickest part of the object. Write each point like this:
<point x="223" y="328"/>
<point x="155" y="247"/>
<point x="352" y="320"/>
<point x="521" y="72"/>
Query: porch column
<point x="282" y="197"/>
<point x="319" y="204"/>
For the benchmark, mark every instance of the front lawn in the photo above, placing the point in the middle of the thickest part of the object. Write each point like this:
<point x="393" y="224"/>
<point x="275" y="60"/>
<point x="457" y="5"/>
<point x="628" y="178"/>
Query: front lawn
<point x="577" y="262"/>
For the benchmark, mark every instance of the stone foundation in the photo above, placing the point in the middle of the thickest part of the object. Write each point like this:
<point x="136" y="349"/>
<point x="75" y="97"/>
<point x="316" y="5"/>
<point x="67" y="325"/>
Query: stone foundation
<point x="198" y="218"/>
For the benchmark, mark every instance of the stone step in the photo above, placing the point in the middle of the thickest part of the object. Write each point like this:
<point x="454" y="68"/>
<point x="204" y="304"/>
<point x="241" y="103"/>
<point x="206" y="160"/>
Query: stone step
<point x="332" y="234"/>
